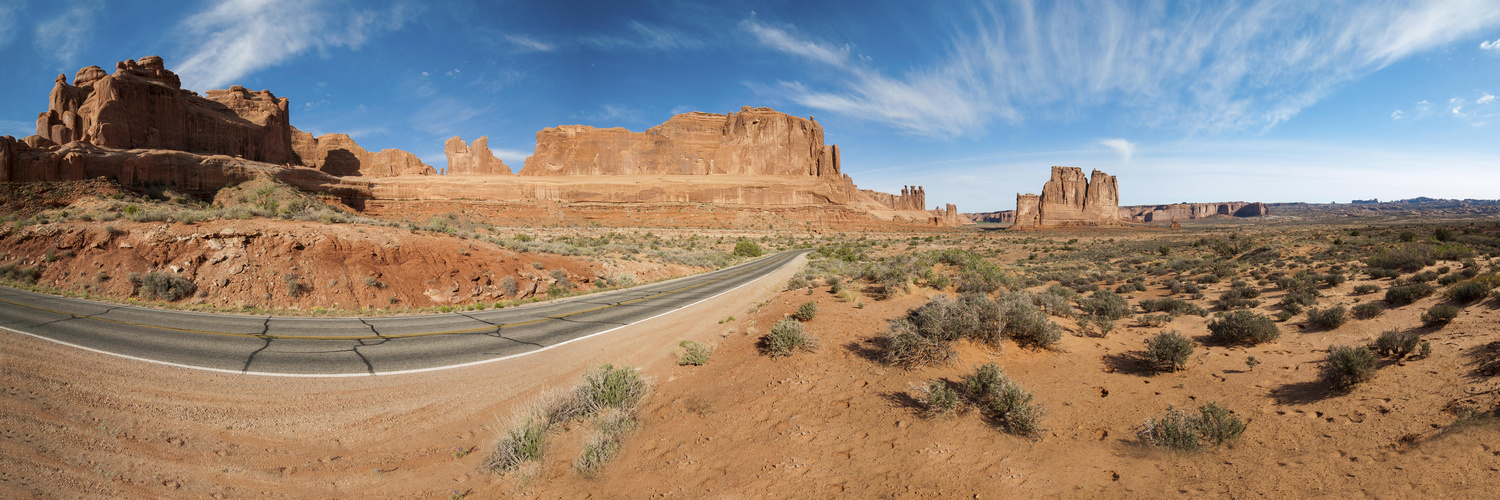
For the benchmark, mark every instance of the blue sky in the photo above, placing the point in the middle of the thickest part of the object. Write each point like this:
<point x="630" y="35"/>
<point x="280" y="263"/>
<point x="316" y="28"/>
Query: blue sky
<point x="1184" y="101"/>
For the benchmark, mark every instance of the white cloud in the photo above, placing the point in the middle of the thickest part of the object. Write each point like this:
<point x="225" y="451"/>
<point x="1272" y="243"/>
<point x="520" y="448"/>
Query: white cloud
<point x="1122" y="146"/>
<point x="530" y="43"/>
<point x="1485" y="99"/>
<point x="1398" y="115"/>
<point x="63" y="37"/>
<point x="513" y="158"/>
<point x="1493" y="45"/>
<point x="643" y="37"/>
<point x="1207" y="67"/>
<point x="235" y="38"/>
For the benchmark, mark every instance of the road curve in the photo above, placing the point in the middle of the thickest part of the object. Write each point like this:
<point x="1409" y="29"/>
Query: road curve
<point x="340" y="347"/>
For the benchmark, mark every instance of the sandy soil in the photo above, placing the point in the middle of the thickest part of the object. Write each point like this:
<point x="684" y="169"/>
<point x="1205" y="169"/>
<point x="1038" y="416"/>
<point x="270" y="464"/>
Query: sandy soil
<point x="833" y="423"/>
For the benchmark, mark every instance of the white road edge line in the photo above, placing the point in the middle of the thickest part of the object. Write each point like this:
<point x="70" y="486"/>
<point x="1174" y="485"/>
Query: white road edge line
<point x="398" y="372"/>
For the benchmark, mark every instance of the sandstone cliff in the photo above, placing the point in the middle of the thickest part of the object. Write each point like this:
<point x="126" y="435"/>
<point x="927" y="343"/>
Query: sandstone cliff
<point x="142" y="106"/>
<point x="1068" y="199"/>
<point x="1190" y="211"/>
<point x="754" y="141"/>
<point x="476" y="159"/>
<point x="911" y="198"/>
<point x="338" y="154"/>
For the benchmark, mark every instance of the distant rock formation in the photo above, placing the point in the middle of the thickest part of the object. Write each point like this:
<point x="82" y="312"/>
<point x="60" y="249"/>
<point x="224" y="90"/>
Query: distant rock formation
<point x="143" y="106"/>
<point x="338" y="154"/>
<point x="754" y="141"/>
<point x="911" y="198"/>
<point x="1070" y="200"/>
<point x="1190" y="211"/>
<point x="464" y="159"/>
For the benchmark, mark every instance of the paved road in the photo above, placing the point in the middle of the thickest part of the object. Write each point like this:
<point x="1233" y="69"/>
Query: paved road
<point x="269" y="345"/>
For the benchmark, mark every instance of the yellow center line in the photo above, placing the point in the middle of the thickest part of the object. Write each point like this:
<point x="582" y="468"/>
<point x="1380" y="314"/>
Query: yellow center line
<point x="392" y="336"/>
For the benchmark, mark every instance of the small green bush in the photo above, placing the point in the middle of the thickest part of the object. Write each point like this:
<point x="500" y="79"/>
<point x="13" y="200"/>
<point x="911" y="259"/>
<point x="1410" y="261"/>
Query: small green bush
<point x="1368" y="310"/>
<point x="1440" y="314"/>
<point x="1396" y="344"/>
<point x="797" y="282"/>
<point x="747" y="248"/>
<point x="1402" y="295"/>
<point x="1169" y="351"/>
<point x="1330" y="317"/>
<point x="608" y="387"/>
<point x="1347" y="366"/>
<point x="1105" y="304"/>
<point x="694" y="353"/>
<point x="806" y="312"/>
<point x="938" y="399"/>
<point x="1030" y="326"/>
<point x="1468" y="291"/>
<point x="1182" y="430"/>
<point x="523" y="443"/>
<point x="787" y="336"/>
<point x="293" y="284"/>
<point x="1243" y="327"/>
<point x="165" y="286"/>
<point x="1004" y="400"/>
<point x="1365" y="289"/>
<point x="1172" y="306"/>
<point x="1155" y="320"/>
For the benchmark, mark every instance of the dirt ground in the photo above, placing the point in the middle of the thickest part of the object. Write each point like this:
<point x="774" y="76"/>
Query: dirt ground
<point x="830" y="423"/>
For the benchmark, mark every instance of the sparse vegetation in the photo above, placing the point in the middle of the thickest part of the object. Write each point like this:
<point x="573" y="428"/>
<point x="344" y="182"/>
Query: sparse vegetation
<point x="1003" y="400"/>
<point x="1348" y="366"/>
<point x="1243" y="327"/>
<point x="1182" y="430"/>
<point x="806" y="312"/>
<point x="1329" y="318"/>
<point x="693" y="353"/>
<point x="1396" y="344"/>
<point x="1440" y="314"/>
<point x="1169" y="351"/>
<point x="786" y="337"/>
<point x="165" y="286"/>
<point x="938" y="399"/>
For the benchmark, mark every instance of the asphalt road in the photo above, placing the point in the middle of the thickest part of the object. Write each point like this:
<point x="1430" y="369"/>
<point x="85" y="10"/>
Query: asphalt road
<point x="270" y="345"/>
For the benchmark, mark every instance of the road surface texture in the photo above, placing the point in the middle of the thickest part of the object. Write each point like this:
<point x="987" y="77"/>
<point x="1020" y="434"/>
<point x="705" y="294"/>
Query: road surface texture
<point x="268" y="345"/>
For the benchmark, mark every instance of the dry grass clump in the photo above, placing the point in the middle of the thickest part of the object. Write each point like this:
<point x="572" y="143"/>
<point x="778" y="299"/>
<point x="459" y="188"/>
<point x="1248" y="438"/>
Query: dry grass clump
<point x="693" y="353"/>
<point x="609" y="395"/>
<point x="165" y="286"/>
<point x="787" y="336"/>
<point x="1179" y="429"/>
<point x="1003" y="400"/>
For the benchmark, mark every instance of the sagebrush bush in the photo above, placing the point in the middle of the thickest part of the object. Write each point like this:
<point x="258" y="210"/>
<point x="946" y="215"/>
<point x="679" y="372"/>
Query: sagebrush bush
<point x="1182" y="430"/>
<point x="1396" y="344"/>
<point x="1169" y="351"/>
<point x="1105" y="304"/>
<point x="1238" y="298"/>
<point x="938" y="399"/>
<point x="907" y="349"/>
<point x="693" y="353"/>
<point x="806" y="312"/>
<point x="1155" y="320"/>
<point x="1243" y="327"/>
<point x="1027" y="324"/>
<point x="787" y="336"/>
<point x="1440" y="314"/>
<point x="797" y="282"/>
<point x="1368" y="310"/>
<point x="1406" y="294"/>
<point x="609" y="387"/>
<point x="1347" y="366"/>
<point x="165" y="286"/>
<point x="1172" y="306"/>
<point x="1002" y="399"/>
<point x="1329" y="317"/>
<point x="1468" y="291"/>
<point x="525" y="442"/>
<point x="746" y="248"/>
<point x="14" y="272"/>
<point x="1409" y="258"/>
<point x="1365" y="289"/>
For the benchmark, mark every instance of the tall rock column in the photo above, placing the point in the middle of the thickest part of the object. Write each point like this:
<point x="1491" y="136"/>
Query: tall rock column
<point x="464" y="159"/>
<point x="1102" y="202"/>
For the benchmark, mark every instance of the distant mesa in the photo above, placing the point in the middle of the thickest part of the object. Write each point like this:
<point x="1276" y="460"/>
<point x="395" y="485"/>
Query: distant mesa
<point x="1069" y="200"/>
<point x="139" y="127"/>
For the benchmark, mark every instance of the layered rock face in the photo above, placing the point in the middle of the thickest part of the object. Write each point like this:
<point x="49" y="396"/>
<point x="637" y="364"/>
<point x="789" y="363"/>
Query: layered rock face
<point x="754" y="141"/>
<point x="142" y="106"/>
<point x="1190" y="211"/>
<point x="1068" y="199"/>
<point x="911" y="198"/>
<point x="338" y="154"/>
<point x="464" y="159"/>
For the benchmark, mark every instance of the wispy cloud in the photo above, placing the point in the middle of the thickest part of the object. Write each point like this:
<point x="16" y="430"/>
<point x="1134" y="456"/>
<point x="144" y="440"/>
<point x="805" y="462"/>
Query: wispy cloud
<point x="234" y="38"/>
<point x="63" y="37"/>
<point x="9" y="15"/>
<point x="1485" y="99"/>
<point x="514" y="158"/>
<point x="1199" y="68"/>
<point x="642" y="36"/>
<point x="1398" y="115"/>
<point x="1492" y="45"/>
<point x="529" y="43"/>
<point x="1122" y="146"/>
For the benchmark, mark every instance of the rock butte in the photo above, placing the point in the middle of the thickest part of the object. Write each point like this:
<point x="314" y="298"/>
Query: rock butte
<point x="1068" y="199"/>
<point x="139" y="127"/>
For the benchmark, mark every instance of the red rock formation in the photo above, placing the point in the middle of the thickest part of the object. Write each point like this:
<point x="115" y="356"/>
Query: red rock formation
<point x="464" y="159"/>
<point x="143" y="106"/>
<point x="911" y="198"/>
<point x="1190" y="211"/>
<point x="754" y="141"/>
<point x="338" y="154"/>
<point x="1069" y="200"/>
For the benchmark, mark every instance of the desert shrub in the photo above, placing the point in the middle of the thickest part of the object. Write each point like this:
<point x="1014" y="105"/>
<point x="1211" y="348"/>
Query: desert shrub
<point x="1238" y="298"/>
<point x="1422" y="277"/>
<point x="1096" y="326"/>
<point x="508" y="285"/>
<point x="746" y="248"/>
<point x="1368" y="310"/>
<point x="1378" y="273"/>
<point x="1182" y="430"/>
<point x="1402" y="295"/>
<point x="1155" y="320"/>
<point x="806" y="312"/>
<point x="165" y="286"/>
<point x="608" y="387"/>
<point x="693" y="353"/>
<point x="373" y="282"/>
<point x="1243" y="327"/>
<point x="293" y="284"/>
<point x="1468" y="291"/>
<point x="526" y="442"/>
<point x="1003" y="400"/>
<point x="938" y="399"/>
<point x="1283" y="315"/>
<point x="1169" y="351"/>
<point x="604" y="444"/>
<point x="1027" y="324"/>
<point x="1296" y="300"/>
<point x="1172" y="306"/>
<point x="797" y="282"/>
<point x="1409" y="258"/>
<point x="1347" y="366"/>
<point x="560" y="279"/>
<point x="1365" y="289"/>
<point x="624" y="280"/>
<point x="939" y="281"/>
<point x="787" y="336"/>
<point x="14" y="272"/>
<point x="1330" y="317"/>
<point x="907" y="349"/>
<point x="1105" y="304"/>
<point x="1440" y="314"/>
<point x="1396" y="344"/>
<point x="1053" y="304"/>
